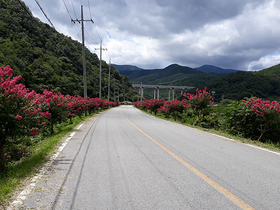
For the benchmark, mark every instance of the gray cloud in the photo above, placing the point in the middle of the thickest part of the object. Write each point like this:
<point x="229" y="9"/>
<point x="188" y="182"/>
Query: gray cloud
<point x="241" y="34"/>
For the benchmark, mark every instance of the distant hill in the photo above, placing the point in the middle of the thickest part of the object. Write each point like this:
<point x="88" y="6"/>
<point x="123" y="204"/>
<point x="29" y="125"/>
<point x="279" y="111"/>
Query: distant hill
<point x="126" y="67"/>
<point x="264" y="84"/>
<point x="148" y="76"/>
<point x="271" y="72"/>
<point x="204" y="68"/>
<point x="227" y="83"/>
<point x="215" y="69"/>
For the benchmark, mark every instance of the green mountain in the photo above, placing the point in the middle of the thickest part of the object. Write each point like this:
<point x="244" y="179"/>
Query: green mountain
<point x="264" y="84"/>
<point x="215" y="69"/>
<point x="148" y="76"/>
<point x="51" y="60"/>
<point x="272" y="72"/>
<point x="126" y="67"/>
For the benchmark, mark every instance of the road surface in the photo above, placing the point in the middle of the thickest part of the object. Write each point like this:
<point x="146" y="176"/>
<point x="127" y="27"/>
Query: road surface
<point x="126" y="159"/>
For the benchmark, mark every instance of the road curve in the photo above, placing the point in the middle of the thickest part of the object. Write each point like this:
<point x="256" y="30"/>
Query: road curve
<point x="126" y="159"/>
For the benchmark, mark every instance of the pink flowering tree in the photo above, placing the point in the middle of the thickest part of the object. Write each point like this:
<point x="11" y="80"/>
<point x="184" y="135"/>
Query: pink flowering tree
<point x="155" y="104"/>
<point x="23" y="113"/>
<point x="55" y="108"/>
<point x="17" y="114"/>
<point x="267" y="114"/>
<point x="201" y="102"/>
<point x="174" y="108"/>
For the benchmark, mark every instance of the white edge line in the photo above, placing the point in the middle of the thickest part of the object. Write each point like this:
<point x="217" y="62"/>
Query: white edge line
<point x="22" y="196"/>
<point x="250" y="145"/>
<point x="80" y="126"/>
<point x="223" y="137"/>
<point x="267" y="150"/>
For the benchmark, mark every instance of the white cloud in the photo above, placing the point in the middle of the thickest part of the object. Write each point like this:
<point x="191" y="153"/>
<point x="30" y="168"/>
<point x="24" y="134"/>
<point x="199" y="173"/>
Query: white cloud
<point x="264" y="62"/>
<point x="155" y="33"/>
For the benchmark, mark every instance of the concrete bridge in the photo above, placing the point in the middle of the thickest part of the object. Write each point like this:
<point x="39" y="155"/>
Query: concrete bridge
<point x="157" y="87"/>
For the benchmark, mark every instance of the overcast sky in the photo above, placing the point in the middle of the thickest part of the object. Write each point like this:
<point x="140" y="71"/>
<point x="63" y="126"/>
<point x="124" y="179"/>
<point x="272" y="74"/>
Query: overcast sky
<point x="236" y="34"/>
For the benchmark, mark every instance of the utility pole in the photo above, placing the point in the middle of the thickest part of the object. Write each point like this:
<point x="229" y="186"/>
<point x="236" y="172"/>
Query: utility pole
<point x="114" y="91"/>
<point x="109" y="77"/>
<point x="100" y="85"/>
<point x="118" y="93"/>
<point x="83" y="50"/>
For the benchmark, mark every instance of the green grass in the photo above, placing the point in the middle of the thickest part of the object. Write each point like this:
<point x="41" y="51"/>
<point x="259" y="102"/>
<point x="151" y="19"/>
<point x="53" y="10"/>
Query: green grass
<point x="27" y="167"/>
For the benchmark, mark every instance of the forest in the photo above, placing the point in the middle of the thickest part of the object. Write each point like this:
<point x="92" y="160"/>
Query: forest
<point x="227" y="84"/>
<point x="50" y="60"/>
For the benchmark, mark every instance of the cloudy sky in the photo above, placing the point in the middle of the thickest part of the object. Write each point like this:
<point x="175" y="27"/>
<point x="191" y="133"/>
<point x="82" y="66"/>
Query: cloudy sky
<point x="236" y="34"/>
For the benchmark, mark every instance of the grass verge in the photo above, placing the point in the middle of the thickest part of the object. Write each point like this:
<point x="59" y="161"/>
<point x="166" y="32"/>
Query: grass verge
<point x="29" y="166"/>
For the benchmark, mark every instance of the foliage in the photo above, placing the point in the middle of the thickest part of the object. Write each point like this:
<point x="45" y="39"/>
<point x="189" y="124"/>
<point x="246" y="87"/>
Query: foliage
<point x="201" y="102"/>
<point x="174" y="108"/>
<point x="49" y="60"/>
<point x="24" y="113"/>
<point x="267" y="112"/>
<point x="250" y="118"/>
<point x="237" y="86"/>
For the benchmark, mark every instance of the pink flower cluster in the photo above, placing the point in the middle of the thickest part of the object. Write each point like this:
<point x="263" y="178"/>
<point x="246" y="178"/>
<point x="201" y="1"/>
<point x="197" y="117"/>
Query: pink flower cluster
<point x="199" y="101"/>
<point x="48" y="106"/>
<point x="4" y="154"/>
<point x="152" y="105"/>
<point x="262" y="108"/>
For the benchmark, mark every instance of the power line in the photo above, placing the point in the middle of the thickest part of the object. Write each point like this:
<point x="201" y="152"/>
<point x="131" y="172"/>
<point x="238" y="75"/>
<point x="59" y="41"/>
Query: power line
<point x="91" y="37"/>
<point x="89" y="9"/>
<point x="71" y="17"/>
<point x="44" y="13"/>
<point x="54" y="28"/>
<point x="97" y="33"/>
<point x="24" y="7"/>
<point x="74" y="9"/>
<point x="67" y="9"/>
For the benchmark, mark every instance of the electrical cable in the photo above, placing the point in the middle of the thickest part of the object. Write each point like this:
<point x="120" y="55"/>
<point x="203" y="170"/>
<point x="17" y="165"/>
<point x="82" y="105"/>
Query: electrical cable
<point x="72" y="18"/>
<point x="67" y="9"/>
<point x="89" y="9"/>
<point x="74" y="9"/>
<point x="44" y="13"/>
<point x="55" y="29"/>
<point x="24" y="7"/>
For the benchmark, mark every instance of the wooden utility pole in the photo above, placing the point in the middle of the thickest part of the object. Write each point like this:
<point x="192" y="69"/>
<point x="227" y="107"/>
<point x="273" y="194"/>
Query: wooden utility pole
<point x="100" y="71"/>
<point x="83" y="50"/>
<point x="109" y="78"/>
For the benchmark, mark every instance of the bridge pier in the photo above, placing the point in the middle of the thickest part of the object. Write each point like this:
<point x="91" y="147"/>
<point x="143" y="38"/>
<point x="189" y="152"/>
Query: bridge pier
<point x="157" y="87"/>
<point x="169" y="94"/>
<point x="141" y="92"/>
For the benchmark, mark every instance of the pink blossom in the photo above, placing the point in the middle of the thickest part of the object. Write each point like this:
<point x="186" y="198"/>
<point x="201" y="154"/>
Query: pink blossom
<point x="18" y="117"/>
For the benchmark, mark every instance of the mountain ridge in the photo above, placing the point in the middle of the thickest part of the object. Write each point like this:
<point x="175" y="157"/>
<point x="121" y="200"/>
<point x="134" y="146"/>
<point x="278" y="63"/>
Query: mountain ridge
<point x="227" y="83"/>
<point x="204" y="68"/>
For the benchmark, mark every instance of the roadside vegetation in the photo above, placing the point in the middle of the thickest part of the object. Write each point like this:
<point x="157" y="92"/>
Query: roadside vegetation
<point x="251" y="120"/>
<point x="32" y="125"/>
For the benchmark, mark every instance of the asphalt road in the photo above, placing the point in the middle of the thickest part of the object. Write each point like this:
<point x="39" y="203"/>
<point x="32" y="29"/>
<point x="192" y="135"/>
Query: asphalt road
<point x="126" y="159"/>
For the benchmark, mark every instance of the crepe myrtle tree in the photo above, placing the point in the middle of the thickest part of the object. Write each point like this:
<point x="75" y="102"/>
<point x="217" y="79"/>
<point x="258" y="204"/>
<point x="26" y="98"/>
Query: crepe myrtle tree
<point x="201" y="102"/>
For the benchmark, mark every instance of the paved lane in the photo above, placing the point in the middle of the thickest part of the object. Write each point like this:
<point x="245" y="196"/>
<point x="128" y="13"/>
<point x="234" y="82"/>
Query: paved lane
<point x="125" y="159"/>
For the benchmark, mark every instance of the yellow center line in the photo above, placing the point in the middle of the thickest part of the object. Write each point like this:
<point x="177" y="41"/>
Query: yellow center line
<point x="214" y="184"/>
